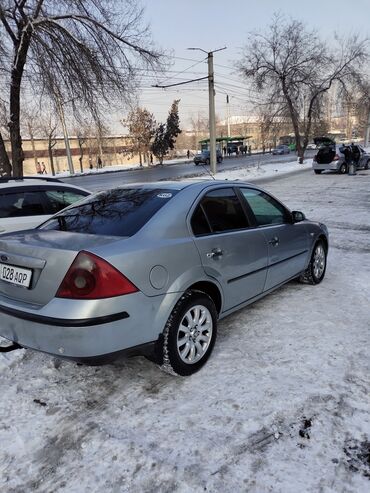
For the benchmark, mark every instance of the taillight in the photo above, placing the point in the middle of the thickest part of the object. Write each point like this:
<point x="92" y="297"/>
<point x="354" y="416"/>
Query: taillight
<point x="336" y="158"/>
<point x="90" y="278"/>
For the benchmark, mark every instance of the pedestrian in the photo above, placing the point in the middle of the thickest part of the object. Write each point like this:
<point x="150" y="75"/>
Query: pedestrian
<point x="99" y="162"/>
<point x="225" y="150"/>
<point x="229" y="151"/>
<point x="151" y="158"/>
<point x="348" y="157"/>
<point x="38" y="168"/>
<point x="263" y="149"/>
<point x="188" y="154"/>
<point x="43" y="169"/>
<point x="250" y="150"/>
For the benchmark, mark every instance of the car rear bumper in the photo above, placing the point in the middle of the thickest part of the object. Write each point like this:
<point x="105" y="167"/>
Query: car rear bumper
<point x="83" y="338"/>
<point x="334" y="166"/>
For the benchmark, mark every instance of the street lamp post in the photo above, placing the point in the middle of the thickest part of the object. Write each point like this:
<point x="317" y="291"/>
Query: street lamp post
<point x="212" y="116"/>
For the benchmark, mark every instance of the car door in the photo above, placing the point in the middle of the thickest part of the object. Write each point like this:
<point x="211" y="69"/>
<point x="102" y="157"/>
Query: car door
<point x="363" y="157"/>
<point x="21" y="208"/>
<point x="287" y="241"/>
<point x="231" y="251"/>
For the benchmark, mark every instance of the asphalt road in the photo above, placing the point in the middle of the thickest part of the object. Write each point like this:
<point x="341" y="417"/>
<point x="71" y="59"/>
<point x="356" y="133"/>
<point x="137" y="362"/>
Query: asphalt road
<point x="106" y="180"/>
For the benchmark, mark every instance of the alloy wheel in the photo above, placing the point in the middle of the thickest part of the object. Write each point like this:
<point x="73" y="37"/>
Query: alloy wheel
<point x="194" y="334"/>
<point x="319" y="260"/>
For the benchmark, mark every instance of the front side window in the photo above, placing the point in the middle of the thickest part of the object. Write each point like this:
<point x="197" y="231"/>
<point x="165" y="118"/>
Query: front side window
<point x="117" y="212"/>
<point x="219" y="211"/>
<point x="59" y="199"/>
<point x="266" y="210"/>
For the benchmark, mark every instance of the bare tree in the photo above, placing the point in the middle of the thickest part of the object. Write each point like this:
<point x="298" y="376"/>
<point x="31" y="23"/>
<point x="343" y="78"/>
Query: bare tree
<point x="81" y="138"/>
<point x="200" y="129"/>
<point x="292" y="69"/>
<point x="49" y="127"/>
<point x="86" y="51"/>
<point x="141" y="127"/>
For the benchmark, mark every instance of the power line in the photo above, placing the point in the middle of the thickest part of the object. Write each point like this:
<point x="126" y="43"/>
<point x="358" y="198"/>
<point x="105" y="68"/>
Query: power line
<point x="185" y="70"/>
<point x="181" y="83"/>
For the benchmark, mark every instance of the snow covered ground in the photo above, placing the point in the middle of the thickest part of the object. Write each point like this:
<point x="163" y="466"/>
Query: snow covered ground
<point x="283" y="405"/>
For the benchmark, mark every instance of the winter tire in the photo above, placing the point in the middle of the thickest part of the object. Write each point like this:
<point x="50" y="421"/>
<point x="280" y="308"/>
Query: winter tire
<point x="318" y="171"/>
<point x="190" y="334"/>
<point x="367" y="165"/>
<point x="343" y="169"/>
<point x="207" y="161"/>
<point x="315" y="271"/>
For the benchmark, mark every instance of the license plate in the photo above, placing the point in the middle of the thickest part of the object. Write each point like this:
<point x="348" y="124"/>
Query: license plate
<point x="15" y="275"/>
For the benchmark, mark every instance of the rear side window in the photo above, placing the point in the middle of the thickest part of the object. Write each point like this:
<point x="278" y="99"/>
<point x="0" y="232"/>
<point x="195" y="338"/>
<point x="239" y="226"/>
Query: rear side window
<point x="19" y="204"/>
<point x="117" y="212"/>
<point x="219" y="211"/>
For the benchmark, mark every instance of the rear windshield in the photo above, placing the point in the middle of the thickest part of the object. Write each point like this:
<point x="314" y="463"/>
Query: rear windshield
<point x="117" y="212"/>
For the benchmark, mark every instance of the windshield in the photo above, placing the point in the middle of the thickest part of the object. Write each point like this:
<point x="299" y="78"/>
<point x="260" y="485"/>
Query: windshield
<point x="117" y="212"/>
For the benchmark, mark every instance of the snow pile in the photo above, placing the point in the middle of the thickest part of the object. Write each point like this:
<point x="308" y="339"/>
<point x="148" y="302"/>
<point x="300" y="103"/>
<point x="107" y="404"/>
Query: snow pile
<point x="263" y="170"/>
<point x="9" y="359"/>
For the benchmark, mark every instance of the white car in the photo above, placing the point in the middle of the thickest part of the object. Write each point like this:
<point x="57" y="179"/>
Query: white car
<point x="311" y="146"/>
<point x="25" y="203"/>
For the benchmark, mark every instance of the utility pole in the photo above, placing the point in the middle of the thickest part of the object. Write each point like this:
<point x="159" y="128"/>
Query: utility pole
<point x="65" y="133"/>
<point x="367" y="131"/>
<point x="212" y="115"/>
<point x="228" y="115"/>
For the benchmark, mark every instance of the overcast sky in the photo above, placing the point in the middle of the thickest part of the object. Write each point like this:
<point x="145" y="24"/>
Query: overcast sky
<point x="211" y="24"/>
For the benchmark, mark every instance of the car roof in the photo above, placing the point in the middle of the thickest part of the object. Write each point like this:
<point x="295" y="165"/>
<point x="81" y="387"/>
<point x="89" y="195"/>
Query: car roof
<point x="6" y="183"/>
<point x="182" y="184"/>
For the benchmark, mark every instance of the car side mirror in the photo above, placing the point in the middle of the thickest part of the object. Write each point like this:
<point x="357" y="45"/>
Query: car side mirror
<point x="298" y="216"/>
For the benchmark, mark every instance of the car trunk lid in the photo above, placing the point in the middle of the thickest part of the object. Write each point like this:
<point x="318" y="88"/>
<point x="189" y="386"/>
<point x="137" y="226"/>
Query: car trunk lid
<point x="48" y="254"/>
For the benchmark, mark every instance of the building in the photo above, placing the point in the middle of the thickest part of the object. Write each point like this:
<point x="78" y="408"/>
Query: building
<point x="85" y="151"/>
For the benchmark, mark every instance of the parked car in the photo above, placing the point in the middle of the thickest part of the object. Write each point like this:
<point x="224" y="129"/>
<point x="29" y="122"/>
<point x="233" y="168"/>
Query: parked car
<point x="150" y="268"/>
<point x="205" y="158"/>
<point x="26" y="203"/>
<point x="281" y="149"/>
<point x="330" y="157"/>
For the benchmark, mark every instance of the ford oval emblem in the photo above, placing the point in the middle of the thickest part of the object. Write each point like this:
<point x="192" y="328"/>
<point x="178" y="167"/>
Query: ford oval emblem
<point x="4" y="258"/>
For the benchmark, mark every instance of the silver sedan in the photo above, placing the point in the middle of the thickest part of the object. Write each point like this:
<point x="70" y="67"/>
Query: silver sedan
<point x="150" y="268"/>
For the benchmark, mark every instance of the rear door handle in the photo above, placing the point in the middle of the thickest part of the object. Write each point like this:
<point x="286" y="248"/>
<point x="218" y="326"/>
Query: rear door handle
<point x="274" y="241"/>
<point x="216" y="252"/>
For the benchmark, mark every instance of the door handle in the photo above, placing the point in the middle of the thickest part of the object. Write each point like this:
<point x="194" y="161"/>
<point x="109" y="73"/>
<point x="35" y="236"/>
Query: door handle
<point x="274" y="241"/>
<point x="216" y="252"/>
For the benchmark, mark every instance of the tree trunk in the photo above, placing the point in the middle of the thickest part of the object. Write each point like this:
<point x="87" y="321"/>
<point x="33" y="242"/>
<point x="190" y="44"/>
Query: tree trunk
<point x="81" y="157"/>
<point x="295" y="121"/>
<point x="5" y="166"/>
<point x="20" y="56"/>
<point x="32" y="144"/>
<point x="51" y="159"/>
<point x="14" y="127"/>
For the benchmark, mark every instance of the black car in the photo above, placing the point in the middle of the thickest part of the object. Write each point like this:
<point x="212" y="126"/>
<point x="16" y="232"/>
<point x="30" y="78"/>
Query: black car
<point x="205" y="158"/>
